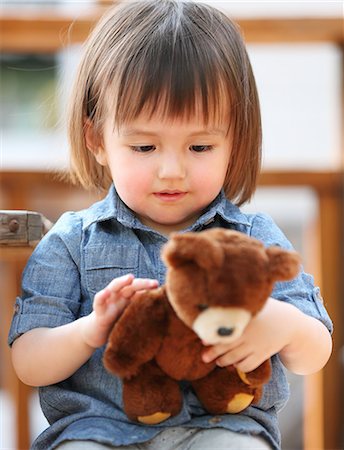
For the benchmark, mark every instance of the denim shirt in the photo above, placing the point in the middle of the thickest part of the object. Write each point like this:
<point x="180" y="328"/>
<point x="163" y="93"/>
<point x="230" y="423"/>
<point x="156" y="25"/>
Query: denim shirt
<point x="82" y="253"/>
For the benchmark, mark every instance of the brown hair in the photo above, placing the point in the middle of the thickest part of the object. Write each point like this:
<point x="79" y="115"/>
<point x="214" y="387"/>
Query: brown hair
<point x="169" y="54"/>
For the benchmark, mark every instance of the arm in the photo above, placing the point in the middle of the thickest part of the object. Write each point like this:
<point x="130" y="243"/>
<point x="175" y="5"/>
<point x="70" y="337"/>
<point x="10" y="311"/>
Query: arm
<point x="303" y="342"/>
<point x="45" y="356"/>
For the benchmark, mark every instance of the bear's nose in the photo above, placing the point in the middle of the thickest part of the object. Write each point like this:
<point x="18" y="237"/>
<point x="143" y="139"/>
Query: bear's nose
<point x="224" y="331"/>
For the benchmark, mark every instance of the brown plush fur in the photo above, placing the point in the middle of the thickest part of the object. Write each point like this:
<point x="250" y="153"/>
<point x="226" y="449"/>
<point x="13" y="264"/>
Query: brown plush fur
<point x="211" y="276"/>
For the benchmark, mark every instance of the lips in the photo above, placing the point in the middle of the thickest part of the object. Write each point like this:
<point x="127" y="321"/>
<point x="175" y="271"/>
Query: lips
<point x="170" y="196"/>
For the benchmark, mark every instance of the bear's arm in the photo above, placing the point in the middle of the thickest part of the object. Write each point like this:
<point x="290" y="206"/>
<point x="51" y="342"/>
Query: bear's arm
<point x="136" y="337"/>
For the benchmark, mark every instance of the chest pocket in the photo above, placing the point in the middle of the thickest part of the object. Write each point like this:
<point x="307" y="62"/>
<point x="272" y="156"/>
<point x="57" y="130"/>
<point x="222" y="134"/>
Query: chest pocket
<point x="103" y="264"/>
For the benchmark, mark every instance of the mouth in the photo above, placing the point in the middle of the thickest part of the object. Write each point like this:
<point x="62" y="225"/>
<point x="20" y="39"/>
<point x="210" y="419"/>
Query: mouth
<point x="169" y="195"/>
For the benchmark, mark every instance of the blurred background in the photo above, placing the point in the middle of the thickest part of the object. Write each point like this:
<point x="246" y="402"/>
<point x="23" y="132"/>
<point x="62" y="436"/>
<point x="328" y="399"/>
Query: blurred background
<point x="296" y="50"/>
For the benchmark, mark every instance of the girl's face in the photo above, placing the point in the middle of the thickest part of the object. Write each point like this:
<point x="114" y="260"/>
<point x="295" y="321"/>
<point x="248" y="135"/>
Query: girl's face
<point x="166" y="171"/>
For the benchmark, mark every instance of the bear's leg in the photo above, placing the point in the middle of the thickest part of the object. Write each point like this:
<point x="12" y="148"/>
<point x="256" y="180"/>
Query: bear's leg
<point x="222" y="391"/>
<point x="151" y="396"/>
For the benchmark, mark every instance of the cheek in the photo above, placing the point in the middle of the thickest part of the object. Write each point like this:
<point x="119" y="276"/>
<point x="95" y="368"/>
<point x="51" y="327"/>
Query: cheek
<point x="130" y="177"/>
<point x="212" y="171"/>
<point x="208" y="182"/>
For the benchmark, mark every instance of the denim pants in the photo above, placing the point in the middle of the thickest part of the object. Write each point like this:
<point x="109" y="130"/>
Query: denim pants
<point x="179" y="438"/>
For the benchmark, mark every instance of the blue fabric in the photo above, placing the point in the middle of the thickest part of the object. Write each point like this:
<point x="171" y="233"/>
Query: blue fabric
<point x="82" y="253"/>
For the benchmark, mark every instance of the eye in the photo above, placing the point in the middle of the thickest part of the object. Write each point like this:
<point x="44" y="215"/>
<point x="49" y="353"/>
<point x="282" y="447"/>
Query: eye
<point x="142" y="148"/>
<point x="202" y="307"/>
<point x="201" y="148"/>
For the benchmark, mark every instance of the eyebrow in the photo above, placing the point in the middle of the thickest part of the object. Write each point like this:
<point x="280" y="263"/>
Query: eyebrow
<point x="207" y="132"/>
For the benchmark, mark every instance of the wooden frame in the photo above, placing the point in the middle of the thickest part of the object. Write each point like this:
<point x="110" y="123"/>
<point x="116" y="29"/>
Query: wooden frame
<point x="51" y="30"/>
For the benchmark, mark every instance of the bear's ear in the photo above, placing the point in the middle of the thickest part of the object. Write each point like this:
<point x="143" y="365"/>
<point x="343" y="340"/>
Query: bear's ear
<point x="188" y="247"/>
<point x="283" y="264"/>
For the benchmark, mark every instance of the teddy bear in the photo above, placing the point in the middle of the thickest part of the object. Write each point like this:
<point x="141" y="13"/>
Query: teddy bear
<point x="216" y="281"/>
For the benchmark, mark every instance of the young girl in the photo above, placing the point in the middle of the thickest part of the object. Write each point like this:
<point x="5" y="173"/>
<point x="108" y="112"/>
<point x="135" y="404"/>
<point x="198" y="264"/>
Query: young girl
<point x="164" y="109"/>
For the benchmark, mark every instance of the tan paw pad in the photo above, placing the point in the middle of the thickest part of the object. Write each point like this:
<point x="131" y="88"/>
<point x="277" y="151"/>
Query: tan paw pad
<point x="154" y="418"/>
<point x="239" y="403"/>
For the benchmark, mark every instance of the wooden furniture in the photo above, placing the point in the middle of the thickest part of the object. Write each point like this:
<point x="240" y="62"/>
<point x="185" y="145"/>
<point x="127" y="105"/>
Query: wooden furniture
<point x="50" y="30"/>
<point x="323" y="428"/>
<point x="12" y="263"/>
<point x="20" y="230"/>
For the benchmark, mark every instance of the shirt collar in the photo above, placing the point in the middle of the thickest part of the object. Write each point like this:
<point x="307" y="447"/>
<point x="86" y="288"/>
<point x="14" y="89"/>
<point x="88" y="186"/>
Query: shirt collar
<point x="224" y="208"/>
<point x="112" y="207"/>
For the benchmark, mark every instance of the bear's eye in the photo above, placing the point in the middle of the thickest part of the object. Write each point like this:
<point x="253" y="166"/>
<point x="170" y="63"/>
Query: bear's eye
<point x="202" y="307"/>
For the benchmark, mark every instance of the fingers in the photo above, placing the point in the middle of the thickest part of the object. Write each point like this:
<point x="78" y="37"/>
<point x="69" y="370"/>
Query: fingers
<point x="119" y="291"/>
<point x="215" y="351"/>
<point x="107" y="300"/>
<point x="233" y="358"/>
<point x="119" y="283"/>
<point x="137" y="285"/>
<point x="248" y="364"/>
<point x="127" y="285"/>
<point x="102" y="296"/>
<point x="242" y="357"/>
<point x="101" y="300"/>
<point x="226" y="354"/>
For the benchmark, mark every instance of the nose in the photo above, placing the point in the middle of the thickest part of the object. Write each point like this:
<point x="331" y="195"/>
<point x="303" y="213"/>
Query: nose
<point x="224" y="331"/>
<point x="171" y="165"/>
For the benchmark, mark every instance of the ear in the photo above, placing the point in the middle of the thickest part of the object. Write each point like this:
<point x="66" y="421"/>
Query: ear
<point x="188" y="247"/>
<point x="283" y="264"/>
<point x="94" y="143"/>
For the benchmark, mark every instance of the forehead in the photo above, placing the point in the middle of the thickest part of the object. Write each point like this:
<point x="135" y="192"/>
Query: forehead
<point x="172" y="129"/>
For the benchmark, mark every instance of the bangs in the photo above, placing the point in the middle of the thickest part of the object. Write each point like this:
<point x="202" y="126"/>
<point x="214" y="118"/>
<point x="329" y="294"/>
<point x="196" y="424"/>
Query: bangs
<point x="172" y="90"/>
<point x="173" y="74"/>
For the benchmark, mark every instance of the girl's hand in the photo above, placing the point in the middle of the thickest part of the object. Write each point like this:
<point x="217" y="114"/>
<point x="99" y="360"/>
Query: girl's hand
<point x="109" y="304"/>
<point x="267" y="333"/>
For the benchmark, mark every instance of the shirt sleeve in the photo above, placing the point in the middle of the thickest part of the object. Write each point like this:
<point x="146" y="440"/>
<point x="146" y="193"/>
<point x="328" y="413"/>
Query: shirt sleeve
<point x="51" y="280"/>
<point x="300" y="291"/>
